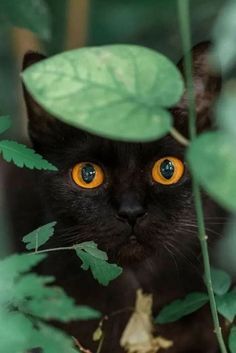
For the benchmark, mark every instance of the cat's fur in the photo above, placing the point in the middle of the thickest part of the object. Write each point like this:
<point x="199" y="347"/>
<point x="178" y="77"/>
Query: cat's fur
<point x="166" y="259"/>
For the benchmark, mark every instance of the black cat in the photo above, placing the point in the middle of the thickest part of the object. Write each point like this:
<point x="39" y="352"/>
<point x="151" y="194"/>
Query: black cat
<point x="135" y="201"/>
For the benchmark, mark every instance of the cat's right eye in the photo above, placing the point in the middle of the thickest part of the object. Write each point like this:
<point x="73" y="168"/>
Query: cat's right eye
<point x="87" y="175"/>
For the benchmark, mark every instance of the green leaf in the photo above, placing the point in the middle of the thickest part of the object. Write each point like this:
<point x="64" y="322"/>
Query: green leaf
<point x="29" y="14"/>
<point x="102" y="271"/>
<point x="23" y="156"/>
<point x="182" y="307"/>
<point x="221" y="281"/>
<point x="39" y="236"/>
<point x="212" y="160"/>
<point x="5" y="123"/>
<point x="225" y="109"/>
<point x="232" y="340"/>
<point x="91" y="248"/>
<point x="226" y="305"/>
<point x="116" y="91"/>
<point x="224" y="36"/>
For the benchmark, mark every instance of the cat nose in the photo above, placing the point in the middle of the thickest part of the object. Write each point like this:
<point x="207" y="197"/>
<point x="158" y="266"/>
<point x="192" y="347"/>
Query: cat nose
<point x="131" y="212"/>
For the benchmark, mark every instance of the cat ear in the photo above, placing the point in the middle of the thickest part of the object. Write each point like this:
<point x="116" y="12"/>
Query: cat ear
<point x="43" y="127"/>
<point x="207" y="85"/>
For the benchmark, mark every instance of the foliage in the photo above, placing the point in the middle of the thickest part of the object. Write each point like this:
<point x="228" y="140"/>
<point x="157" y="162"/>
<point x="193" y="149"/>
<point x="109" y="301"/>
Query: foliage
<point x="39" y="236"/>
<point x="182" y="307"/>
<point x="27" y="301"/>
<point x="119" y="91"/>
<point x="232" y="340"/>
<point x="88" y="252"/>
<point x="20" y="154"/>
<point x="209" y="151"/>
<point x="30" y="14"/>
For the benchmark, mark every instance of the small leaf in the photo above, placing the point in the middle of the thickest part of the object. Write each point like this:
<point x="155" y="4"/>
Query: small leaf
<point x="212" y="160"/>
<point x="221" y="281"/>
<point x="226" y="305"/>
<point x="23" y="156"/>
<point x="182" y="307"/>
<point x="102" y="271"/>
<point x="30" y="14"/>
<point x="91" y="248"/>
<point x="5" y="123"/>
<point x="232" y="340"/>
<point x="117" y="91"/>
<point x="39" y="236"/>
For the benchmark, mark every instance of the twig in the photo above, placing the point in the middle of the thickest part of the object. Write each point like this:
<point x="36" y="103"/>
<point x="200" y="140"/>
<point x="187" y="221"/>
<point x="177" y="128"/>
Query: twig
<point x="183" y="7"/>
<point x="81" y="348"/>
<point x="179" y="137"/>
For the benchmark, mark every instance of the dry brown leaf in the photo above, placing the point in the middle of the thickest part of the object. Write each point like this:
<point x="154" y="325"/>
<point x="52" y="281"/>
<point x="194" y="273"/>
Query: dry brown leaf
<point x="138" y="334"/>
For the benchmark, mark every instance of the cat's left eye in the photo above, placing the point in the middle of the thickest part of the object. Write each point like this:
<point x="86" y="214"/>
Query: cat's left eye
<point x="168" y="170"/>
<point x="88" y="175"/>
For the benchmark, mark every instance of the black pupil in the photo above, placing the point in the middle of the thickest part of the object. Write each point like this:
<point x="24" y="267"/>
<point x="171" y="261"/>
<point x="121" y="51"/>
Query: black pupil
<point x="167" y="169"/>
<point x="88" y="173"/>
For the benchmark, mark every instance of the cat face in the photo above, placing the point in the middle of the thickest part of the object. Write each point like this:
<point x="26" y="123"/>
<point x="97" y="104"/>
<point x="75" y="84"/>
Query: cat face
<point x="133" y="199"/>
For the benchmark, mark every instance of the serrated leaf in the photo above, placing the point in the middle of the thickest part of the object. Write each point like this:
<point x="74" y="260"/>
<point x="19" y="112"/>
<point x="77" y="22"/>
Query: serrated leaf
<point x="5" y="123"/>
<point x="182" y="307"/>
<point x="116" y="91"/>
<point x="212" y="160"/>
<point x="102" y="271"/>
<point x="22" y="156"/>
<point x="91" y="248"/>
<point x="52" y="340"/>
<point x="56" y="305"/>
<point x="232" y="340"/>
<point x="39" y="236"/>
<point x="30" y="14"/>
<point x="226" y="305"/>
<point x="221" y="281"/>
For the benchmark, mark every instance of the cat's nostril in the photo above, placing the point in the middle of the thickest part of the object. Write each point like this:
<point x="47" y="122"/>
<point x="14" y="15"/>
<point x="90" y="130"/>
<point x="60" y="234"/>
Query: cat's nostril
<point x="131" y="213"/>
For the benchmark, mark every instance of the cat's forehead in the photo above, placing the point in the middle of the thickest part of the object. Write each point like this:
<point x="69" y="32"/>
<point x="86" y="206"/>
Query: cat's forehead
<point x="107" y="150"/>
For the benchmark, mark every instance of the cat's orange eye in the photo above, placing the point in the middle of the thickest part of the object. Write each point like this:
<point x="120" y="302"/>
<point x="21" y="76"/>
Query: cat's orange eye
<point x="88" y="175"/>
<point x="168" y="170"/>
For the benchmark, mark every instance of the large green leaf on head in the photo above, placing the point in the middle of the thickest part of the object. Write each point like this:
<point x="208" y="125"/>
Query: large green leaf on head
<point x="116" y="91"/>
<point x="30" y="14"/>
<point x="212" y="160"/>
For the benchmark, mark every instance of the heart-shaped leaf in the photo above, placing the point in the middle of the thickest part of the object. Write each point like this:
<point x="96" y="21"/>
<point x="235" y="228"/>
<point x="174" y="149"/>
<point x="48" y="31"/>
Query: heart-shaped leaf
<point x="182" y="307"/>
<point x="226" y="305"/>
<point x="116" y="91"/>
<point x="212" y="160"/>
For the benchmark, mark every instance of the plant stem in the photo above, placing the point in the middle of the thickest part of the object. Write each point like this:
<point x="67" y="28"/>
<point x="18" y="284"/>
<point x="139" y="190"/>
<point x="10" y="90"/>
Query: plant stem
<point x="54" y="249"/>
<point x="183" y="7"/>
<point x="179" y="137"/>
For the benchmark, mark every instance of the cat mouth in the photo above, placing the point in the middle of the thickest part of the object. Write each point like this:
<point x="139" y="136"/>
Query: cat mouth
<point x="132" y="250"/>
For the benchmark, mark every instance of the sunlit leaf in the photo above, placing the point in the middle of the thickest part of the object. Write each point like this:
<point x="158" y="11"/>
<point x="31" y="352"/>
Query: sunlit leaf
<point x="232" y="340"/>
<point x="221" y="281"/>
<point x="102" y="271"/>
<point x="212" y="160"/>
<point x="30" y="14"/>
<point x="118" y="91"/>
<point x="23" y="156"/>
<point x="5" y="123"/>
<point x="182" y="307"/>
<point x="39" y="236"/>
<point x="226" y="305"/>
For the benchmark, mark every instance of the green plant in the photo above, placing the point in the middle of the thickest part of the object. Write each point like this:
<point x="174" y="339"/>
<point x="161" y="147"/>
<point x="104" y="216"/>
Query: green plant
<point x="131" y="88"/>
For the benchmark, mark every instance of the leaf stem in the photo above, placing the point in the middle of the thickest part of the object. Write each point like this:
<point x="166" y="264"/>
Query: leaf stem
<point x="179" y="137"/>
<point x="54" y="249"/>
<point x="183" y="8"/>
